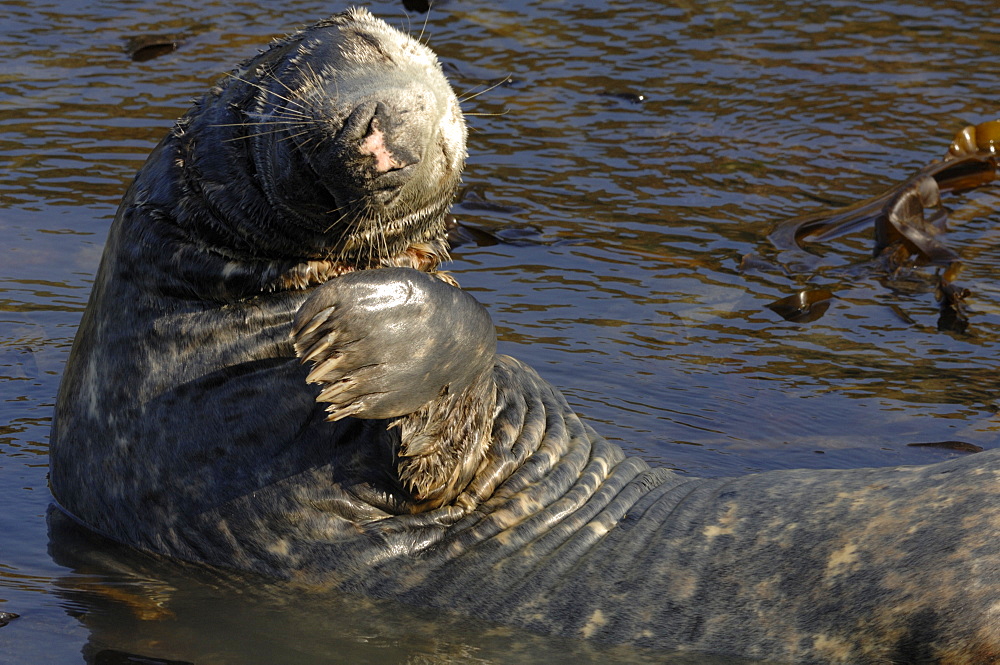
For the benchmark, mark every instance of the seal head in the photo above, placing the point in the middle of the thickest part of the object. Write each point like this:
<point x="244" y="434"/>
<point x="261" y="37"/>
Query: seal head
<point x="351" y="136"/>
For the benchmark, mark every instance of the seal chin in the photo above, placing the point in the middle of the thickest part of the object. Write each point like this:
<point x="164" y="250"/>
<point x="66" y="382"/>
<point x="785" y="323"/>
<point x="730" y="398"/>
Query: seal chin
<point x="370" y="162"/>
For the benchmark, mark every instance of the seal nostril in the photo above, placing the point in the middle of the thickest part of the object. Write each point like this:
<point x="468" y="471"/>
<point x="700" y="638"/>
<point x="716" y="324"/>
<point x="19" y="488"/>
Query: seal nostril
<point x="374" y="144"/>
<point x="394" y="138"/>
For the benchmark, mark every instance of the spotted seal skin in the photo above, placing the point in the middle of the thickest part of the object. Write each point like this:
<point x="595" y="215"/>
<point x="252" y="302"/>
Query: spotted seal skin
<point x="272" y="376"/>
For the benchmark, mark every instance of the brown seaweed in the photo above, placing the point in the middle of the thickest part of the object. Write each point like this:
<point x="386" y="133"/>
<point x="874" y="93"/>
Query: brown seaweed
<point x="146" y="47"/>
<point x="984" y="137"/>
<point x="908" y="223"/>
<point x="951" y="301"/>
<point x="461" y="233"/>
<point x="959" y="446"/>
<point x="971" y="161"/>
<point x="904" y="232"/>
<point x="805" y="306"/>
<point x="473" y="197"/>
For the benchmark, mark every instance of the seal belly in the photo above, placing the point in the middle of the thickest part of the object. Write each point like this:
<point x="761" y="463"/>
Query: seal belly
<point x="827" y="566"/>
<point x="808" y="566"/>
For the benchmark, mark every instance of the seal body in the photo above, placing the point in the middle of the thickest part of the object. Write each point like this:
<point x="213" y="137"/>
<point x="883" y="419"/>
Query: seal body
<point x="272" y="376"/>
<point x="335" y="150"/>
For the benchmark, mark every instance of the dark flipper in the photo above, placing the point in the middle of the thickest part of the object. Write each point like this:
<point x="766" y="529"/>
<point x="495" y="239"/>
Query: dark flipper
<point x="384" y="343"/>
<point x="399" y="343"/>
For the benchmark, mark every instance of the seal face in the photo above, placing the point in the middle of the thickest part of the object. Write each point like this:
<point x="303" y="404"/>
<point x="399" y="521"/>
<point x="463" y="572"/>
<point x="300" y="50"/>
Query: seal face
<point x="351" y="138"/>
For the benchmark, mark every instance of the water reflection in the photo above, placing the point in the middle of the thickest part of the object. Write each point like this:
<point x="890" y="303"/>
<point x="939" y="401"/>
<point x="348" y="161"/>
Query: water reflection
<point x="628" y="292"/>
<point x="139" y="608"/>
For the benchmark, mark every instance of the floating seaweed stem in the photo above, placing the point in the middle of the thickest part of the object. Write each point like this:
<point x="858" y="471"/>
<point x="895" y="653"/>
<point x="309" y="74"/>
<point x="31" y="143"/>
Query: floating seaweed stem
<point x="908" y="225"/>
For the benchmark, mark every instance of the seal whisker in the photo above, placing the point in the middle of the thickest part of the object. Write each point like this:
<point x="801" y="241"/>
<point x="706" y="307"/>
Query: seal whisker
<point x="278" y="115"/>
<point x="343" y="216"/>
<point x="409" y="23"/>
<point x="303" y="144"/>
<point x="350" y="205"/>
<point x="382" y="236"/>
<point x="268" y="91"/>
<point x="371" y="244"/>
<point x="374" y="239"/>
<point x="258" y="134"/>
<point x="280" y="127"/>
<point x="468" y="94"/>
<point x="286" y="123"/>
<point x="315" y="81"/>
<point x="427" y="16"/>
<point x="380" y="246"/>
<point x="292" y="136"/>
<point x="284" y="85"/>
<point x="323" y="138"/>
<point x="365" y="244"/>
<point x="279" y="112"/>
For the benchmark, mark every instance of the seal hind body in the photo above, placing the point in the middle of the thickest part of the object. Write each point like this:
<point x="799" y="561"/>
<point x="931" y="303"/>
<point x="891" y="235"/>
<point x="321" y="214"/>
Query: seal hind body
<point x="271" y="375"/>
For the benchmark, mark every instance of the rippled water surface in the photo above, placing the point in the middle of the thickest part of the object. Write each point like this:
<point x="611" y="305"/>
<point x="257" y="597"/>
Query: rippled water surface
<point x="640" y="151"/>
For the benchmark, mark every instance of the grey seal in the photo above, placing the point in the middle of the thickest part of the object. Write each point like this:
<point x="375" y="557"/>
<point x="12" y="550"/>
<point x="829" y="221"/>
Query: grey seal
<point x="272" y="375"/>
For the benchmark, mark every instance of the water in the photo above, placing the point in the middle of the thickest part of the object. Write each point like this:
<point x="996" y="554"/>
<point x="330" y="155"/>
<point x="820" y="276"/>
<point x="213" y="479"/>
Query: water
<point x="640" y="151"/>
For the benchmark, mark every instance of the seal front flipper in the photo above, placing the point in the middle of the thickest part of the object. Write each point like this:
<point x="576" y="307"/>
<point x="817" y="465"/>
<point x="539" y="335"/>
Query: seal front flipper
<point x="384" y="343"/>
<point x="399" y="344"/>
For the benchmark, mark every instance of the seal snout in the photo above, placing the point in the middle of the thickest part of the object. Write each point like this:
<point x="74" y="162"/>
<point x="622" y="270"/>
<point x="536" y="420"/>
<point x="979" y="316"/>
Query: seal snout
<point x="374" y="144"/>
<point x="389" y="136"/>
